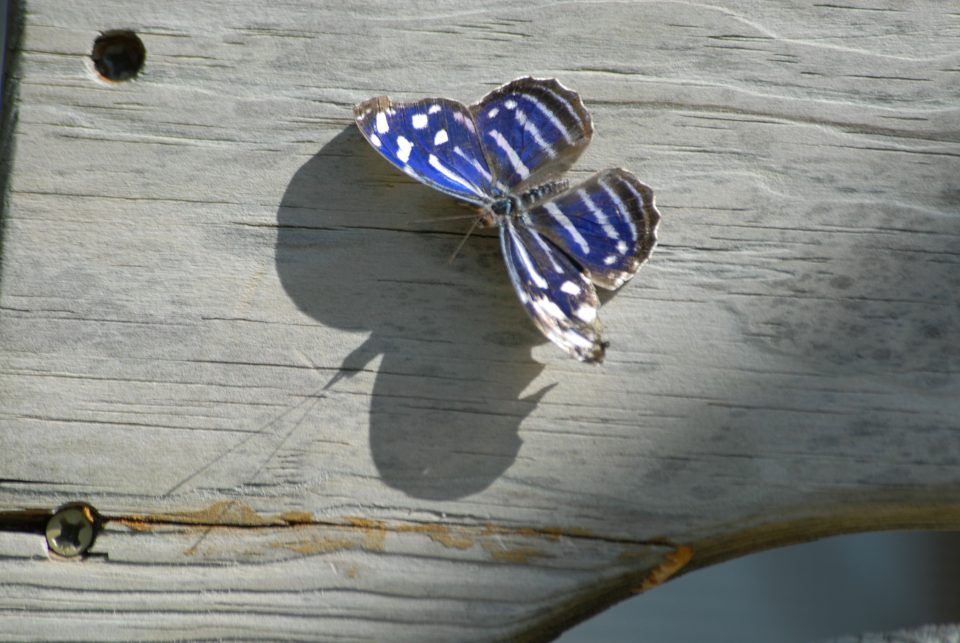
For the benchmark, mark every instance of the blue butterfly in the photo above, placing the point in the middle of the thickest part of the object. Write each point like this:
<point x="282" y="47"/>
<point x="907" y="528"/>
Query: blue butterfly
<point x="504" y="154"/>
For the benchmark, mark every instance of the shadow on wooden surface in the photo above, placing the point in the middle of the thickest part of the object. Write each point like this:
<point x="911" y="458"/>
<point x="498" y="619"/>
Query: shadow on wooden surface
<point x="872" y="307"/>
<point x="425" y="440"/>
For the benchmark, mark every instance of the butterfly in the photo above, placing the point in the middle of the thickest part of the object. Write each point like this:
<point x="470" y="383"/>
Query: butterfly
<point x="505" y="154"/>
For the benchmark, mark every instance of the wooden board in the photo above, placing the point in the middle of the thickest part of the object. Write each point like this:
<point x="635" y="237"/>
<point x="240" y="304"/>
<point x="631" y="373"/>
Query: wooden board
<point x="926" y="634"/>
<point x="232" y="328"/>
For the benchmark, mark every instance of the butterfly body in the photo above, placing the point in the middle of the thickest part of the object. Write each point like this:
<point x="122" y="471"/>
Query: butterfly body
<point x="504" y="154"/>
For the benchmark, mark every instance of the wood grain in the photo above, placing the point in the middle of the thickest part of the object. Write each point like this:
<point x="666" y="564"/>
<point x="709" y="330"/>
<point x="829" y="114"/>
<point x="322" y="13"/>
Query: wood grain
<point x="926" y="634"/>
<point x="232" y="328"/>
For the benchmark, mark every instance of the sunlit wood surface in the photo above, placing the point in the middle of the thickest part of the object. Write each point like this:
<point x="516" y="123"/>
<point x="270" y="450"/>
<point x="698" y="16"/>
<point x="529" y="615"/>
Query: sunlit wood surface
<point x="231" y="327"/>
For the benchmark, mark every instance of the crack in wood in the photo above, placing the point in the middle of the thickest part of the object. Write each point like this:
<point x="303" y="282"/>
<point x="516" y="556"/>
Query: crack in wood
<point x="232" y="514"/>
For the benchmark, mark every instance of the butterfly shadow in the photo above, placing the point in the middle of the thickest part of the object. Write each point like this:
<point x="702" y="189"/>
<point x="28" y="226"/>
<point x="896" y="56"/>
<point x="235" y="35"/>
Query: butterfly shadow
<point x="454" y="345"/>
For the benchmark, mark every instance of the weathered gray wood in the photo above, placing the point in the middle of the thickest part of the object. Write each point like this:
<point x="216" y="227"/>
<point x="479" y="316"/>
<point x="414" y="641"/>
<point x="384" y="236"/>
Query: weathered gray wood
<point x="925" y="634"/>
<point x="215" y="298"/>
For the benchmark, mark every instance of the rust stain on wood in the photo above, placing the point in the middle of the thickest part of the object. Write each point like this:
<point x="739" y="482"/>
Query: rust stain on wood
<point x="356" y="534"/>
<point x="450" y="538"/>
<point x="673" y="562"/>
<point x="514" y="554"/>
<point x="297" y="517"/>
<point x="227" y="513"/>
<point x="351" y="532"/>
<point x="324" y="545"/>
<point x="136" y="525"/>
<point x="365" y="523"/>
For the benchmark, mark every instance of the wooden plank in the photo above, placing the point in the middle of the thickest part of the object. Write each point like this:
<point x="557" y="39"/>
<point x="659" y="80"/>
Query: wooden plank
<point x="216" y="299"/>
<point x="925" y="634"/>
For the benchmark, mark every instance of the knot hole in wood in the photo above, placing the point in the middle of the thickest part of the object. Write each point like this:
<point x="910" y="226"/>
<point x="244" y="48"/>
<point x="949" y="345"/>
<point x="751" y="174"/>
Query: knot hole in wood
<point x="118" y="55"/>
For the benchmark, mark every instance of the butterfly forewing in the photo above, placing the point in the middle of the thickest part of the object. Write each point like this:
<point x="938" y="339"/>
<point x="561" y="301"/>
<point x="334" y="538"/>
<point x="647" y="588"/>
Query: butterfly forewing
<point x="554" y="291"/>
<point x="434" y="140"/>
<point x="532" y="129"/>
<point x="607" y="225"/>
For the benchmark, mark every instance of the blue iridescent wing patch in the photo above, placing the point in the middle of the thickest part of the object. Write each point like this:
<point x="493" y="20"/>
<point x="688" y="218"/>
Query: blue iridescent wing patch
<point x="554" y="291"/>
<point x="504" y="155"/>
<point x="434" y="140"/>
<point x="607" y="224"/>
<point x="532" y="129"/>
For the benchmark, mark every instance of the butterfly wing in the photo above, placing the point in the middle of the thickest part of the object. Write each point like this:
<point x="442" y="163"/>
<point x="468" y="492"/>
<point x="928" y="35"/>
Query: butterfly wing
<point x="532" y="129"/>
<point x="607" y="225"/>
<point x="433" y="140"/>
<point x="554" y="291"/>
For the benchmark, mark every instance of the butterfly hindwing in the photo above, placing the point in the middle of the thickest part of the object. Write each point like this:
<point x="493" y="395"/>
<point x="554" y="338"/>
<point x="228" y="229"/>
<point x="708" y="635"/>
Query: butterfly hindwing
<point x="532" y="129"/>
<point x="433" y="140"/>
<point x="607" y="225"/>
<point x="554" y="291"/>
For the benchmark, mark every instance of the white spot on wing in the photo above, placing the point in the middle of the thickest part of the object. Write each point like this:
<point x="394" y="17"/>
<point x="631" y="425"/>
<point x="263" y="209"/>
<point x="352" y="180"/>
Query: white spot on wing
<point x="419" y="121"/>
<point x="527" y="262"/>
<point x="622" y="247"/>
<point x="511" y="153"/>
<point x="375" y="140"/>
<point x="440" y="137"/>
<point x="403" y="149"/>
<point x="534" y="132"/>
<point x="598" y="214"/>
<point x="566" y="104"/>
<point x="550" y="116"/>
<point x="587" y="313"/>
<point x="382" y="126"/>
<point x="547" y="315"/>
<point x="433" y="109"/>
<point x="622" y="207"/>
<point x="466" y="122"/>
<point x="609" y="260"/>
<point x="510" y="103"/>
<point x="473" y="161"/>
<point x="579" y="340"/>
<point x="547" y="250"/>
<point x="568" y="226"/>
<point x="442" y="169"/>
<point x="570" y="288"/>
<point x="493" y="112"/>
<point x="552" y="309"/>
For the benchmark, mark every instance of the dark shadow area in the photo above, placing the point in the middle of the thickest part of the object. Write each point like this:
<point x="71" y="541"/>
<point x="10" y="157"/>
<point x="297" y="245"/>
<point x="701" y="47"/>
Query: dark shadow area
<point x="454" y="343"/>
<point x="878" y="302"/>
<point x="11" y="26"/>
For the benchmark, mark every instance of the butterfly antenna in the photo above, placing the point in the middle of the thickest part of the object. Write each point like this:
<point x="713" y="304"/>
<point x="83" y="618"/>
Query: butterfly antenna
<point x="476" y="222"/>
<point x="455" y="217"/>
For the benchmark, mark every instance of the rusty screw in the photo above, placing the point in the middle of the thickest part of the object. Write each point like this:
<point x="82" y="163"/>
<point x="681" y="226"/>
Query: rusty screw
<point x="72" y="529"/>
